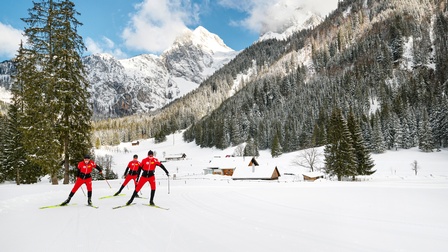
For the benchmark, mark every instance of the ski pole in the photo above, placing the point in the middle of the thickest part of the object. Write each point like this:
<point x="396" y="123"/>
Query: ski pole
<point x="106" y="180"/>
<point x="82" y="189"/>
<point x="168" y="184"/>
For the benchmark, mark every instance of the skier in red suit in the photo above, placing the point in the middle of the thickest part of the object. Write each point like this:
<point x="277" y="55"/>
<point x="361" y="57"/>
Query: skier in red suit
<point x="85" y="167"/>
<point x="134" y="169"/>
<point x="148" y="166"/>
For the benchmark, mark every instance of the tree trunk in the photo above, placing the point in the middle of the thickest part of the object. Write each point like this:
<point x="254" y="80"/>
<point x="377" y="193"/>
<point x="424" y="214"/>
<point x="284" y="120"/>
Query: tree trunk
<point x="17" y="176"/>
<point x="66" y="162"/>
<point x="54" y="179"/>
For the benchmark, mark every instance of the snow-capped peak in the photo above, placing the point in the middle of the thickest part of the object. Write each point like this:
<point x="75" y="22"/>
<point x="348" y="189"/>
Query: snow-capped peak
<point x="202" y="38"/>
<point x="299" y="21"/>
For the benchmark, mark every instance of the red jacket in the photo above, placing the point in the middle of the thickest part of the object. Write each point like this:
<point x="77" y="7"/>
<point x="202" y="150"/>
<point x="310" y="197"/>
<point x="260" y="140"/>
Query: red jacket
<point x="133" y="168"/>
<point x="149" y="165"/>
<point x="84" y="169"/>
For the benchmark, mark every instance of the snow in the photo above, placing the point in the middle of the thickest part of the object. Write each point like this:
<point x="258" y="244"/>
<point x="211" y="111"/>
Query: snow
<point x="5" y="95"/>
<point x="392" y="210"/>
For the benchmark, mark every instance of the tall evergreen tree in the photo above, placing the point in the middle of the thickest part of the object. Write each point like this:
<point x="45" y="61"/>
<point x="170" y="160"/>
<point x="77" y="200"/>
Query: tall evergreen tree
<point x="377" y="143"/>
<point x="339" y="153"/>
<point x="3" y="138"/>
<point x="251" y="148"/>
<point x="17" y="148"/>
<point x="56" y="115"/>
<point x="276" y="149"/>
<point x="426" y="142"/>
<point x="364" y="162"/>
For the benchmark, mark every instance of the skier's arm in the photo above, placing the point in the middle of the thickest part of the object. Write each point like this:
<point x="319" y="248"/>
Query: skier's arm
<point x="126" y="171"/>
<point x="99" y="168"/>
<point x="138" y="173"/>
<point x="163" y="167"/>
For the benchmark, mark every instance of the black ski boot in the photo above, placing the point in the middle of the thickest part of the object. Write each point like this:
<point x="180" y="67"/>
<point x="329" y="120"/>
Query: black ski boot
<point x="119" y="191"/>
<point x="151" y="201"/>
<point x="89" y="198"/>
<point x="68" y="199"/>
<point x="132" y="198"/>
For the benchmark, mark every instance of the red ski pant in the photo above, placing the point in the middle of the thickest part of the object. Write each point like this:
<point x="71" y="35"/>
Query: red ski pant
<point x="129" y="178"/>
<point x="80" y="181"/>
<point x="142" y="181"/>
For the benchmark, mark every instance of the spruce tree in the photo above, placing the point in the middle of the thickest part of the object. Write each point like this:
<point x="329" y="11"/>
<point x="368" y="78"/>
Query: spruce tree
<point x="377" y="143"/>
<point x="364" y="162"/>
<point x="57" y="115"/>
<point x="17" y="155"/>
<point x="339" y="153"/>
<point x="3" y="137"/>
<point x="251" y="148"/>
<point x="276" y="149"/>
<point x="426" y="142"/>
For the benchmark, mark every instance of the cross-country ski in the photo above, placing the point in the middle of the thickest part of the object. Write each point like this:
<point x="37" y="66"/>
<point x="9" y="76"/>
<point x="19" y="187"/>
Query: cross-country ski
<point x="121" y="206"/>
<point x="112" y="196"/>
<point x="156" y="206"/>
<point x="56" y="206"/>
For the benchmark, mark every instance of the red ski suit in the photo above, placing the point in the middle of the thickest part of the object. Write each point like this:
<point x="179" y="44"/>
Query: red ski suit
<point x="133" y="173"/>
<point x="84" y="177"/>
<point x="148" y="166"/>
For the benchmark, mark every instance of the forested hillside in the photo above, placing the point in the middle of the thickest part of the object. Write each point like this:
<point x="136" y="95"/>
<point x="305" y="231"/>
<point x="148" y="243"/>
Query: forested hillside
<point x="387" y="61"/>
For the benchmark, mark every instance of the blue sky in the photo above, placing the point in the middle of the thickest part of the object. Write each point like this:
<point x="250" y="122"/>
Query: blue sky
<point x="126" y="28"/>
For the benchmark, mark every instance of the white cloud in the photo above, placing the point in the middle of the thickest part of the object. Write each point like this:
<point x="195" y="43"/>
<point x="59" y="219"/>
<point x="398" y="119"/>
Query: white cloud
<point x="273" y="15"/>
<point x="157" y="23"/>
<point x="106" y="45"/>
<point x="9" y="41"/>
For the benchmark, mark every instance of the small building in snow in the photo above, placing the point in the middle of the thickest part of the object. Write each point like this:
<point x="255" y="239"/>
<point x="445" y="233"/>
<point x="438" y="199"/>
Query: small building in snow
<point x="174" y="157"/>
<point x="255" y="170"/>
<point x="223" y="166"/>
<point x="312" y="176"/>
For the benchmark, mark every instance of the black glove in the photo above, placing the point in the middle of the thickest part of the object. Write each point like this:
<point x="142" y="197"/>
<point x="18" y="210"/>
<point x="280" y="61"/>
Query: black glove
<point x="167" y="174"/>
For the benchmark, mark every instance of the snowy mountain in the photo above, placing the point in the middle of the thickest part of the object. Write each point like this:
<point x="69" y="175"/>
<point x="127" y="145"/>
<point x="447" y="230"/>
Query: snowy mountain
<point x="6" y="69"/>
<point x="147" y="82"/>
<point x="299" y="21"/>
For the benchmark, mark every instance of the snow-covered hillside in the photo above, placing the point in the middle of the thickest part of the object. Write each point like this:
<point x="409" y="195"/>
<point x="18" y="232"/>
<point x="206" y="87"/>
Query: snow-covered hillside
<point x="392" y="210"/>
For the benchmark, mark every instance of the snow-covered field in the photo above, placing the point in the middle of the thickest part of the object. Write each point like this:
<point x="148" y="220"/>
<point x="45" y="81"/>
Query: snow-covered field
<point x="392" y="210"/>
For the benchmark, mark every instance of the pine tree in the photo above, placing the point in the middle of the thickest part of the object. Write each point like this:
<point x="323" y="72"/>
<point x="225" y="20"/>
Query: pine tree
<point x="3" y="138"/>
<point x="364" y="162"/>
<point x="73" y="126"/>
<point x="339" y="153"/>
<point x="377" y="137"/>
<point x="23" y="169"/>
<point x="56" y="112"/>
<point x="251" y="148"/>
<point x="276" y="149"/>
<point x="426" y="142"/>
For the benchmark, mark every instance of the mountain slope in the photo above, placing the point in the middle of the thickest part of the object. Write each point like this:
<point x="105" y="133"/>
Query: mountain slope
<point x="365" y="53"/>
<point x="384" y="60"/>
